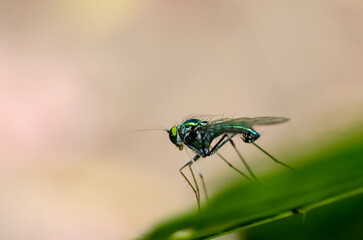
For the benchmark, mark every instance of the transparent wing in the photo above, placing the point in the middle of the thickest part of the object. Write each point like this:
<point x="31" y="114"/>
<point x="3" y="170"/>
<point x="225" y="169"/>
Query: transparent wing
<point x="244" y="121"/>
<point x="266" y="120"/>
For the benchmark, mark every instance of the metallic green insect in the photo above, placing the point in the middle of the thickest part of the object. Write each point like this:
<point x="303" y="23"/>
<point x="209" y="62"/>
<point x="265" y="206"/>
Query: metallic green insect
<point x="198" y="136"/>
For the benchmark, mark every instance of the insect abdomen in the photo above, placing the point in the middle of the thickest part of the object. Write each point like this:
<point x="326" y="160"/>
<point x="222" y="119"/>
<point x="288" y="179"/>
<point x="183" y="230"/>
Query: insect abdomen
<point x="248" y="134"/>
<point x="231" y="129"/>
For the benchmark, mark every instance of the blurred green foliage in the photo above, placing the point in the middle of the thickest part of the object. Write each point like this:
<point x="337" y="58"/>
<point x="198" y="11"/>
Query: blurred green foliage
<point x="333" y="173"/>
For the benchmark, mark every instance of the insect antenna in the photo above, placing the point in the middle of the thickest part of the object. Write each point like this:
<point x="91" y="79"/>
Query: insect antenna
<point x="145" y="130"/>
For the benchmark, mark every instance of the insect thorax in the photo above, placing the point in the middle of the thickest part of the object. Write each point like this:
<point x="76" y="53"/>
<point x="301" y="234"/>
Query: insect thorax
<point x="197" y="140"/>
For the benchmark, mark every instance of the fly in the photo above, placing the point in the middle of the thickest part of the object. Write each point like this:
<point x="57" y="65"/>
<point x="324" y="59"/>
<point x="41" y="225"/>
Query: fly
<point x="198" y="136"/>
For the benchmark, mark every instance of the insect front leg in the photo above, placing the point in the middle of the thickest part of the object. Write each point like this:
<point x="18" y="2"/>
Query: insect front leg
<point x="196" y="192"/>
<point x="196" y="188"/>
<point x="196" y="157"/>
<point x="195" y="182"/>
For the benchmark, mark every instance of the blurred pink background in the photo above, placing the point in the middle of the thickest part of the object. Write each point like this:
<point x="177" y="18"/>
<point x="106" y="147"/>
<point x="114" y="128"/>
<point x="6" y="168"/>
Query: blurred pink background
<point x="75" y="74"/>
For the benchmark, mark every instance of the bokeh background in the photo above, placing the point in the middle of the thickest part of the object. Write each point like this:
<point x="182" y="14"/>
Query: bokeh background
<point x="75" y="74"/>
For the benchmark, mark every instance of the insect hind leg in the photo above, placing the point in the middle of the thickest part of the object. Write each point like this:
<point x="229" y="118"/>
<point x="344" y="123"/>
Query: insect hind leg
<point x="277" y="161"/>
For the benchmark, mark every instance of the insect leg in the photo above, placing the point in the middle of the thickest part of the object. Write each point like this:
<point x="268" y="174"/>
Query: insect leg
<point x="185" y="177"/>
<point x="277" y="161"/>
<point x="195" y="181"/>
<point x="220" y="143"/>
<point x="195" y="158"/>
<point x="229" y="164"/>
<point x="243" y="160"/>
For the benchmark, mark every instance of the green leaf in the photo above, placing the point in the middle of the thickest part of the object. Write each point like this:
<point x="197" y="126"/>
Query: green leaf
<point x="328" y="175"/>
<point x="336" y="221"/>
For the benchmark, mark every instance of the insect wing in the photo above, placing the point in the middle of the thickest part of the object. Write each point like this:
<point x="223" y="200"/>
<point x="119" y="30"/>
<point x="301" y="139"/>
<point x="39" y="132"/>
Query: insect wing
<point x="244" y="121"/>
<point x="266" y="120"/>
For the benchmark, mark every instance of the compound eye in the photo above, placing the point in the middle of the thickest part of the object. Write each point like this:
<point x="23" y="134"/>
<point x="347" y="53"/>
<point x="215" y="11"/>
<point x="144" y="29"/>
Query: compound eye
<point x="173" y="136"/>
<point x="173" y="131"/>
